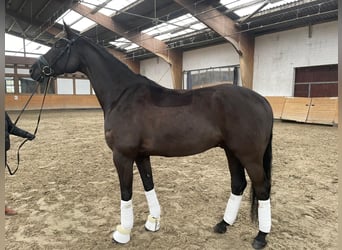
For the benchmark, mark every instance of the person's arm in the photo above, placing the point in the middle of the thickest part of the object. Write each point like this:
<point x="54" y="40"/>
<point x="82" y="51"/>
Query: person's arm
<point x="14" y="130"/>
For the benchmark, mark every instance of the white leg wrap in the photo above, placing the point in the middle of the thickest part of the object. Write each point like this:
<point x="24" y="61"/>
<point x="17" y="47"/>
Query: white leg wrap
<point x="123" y="231"/>
<point x="127" y="214"/>
<point x="264" y="214"/>
<point x="153" y="203"/>
<point x="232" y="208"/>
<point x="153" y="220"/>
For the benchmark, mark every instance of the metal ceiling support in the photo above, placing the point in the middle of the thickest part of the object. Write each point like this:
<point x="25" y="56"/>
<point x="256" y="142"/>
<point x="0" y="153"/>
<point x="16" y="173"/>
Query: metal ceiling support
<point x="42" y="9"/>
<point x="27" y="29"/>
<point x="157" y="47"/>
<point x="292" y="20"/>
<point x="254" y="12"/>
<point x="22" y="6"/>
<point x="8" y="4"/>
<point x="34" y="22"/>
<point x="226" y="27"/>
<point x="100" y="6"/>
<point x="244" y="5"/>
<point x="12" y="25"/>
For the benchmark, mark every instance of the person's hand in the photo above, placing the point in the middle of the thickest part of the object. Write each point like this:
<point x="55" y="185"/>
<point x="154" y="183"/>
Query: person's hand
<point x="30" y="136"/>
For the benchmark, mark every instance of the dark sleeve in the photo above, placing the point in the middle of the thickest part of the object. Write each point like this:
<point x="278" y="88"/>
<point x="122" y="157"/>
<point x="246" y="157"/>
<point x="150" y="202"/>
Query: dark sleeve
<point x="7" y="139"/>
<point x="13" y="129"/>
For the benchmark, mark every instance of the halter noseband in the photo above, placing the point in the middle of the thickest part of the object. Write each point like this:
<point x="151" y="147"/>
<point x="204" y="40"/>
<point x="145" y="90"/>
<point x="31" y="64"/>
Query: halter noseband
<point x="46" y="68"/>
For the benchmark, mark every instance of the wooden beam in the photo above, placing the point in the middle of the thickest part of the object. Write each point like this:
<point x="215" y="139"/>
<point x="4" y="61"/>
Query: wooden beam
<point x="224" y="26"/>
<point x="177" y="68"/>
<point x="20" y="60"/>
<point x="247" y="60"/>
<point x="172" y="57"/>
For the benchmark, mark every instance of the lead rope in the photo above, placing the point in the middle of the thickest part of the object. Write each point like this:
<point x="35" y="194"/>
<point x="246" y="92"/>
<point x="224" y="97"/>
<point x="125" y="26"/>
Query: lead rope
<point x="37" y="125"/>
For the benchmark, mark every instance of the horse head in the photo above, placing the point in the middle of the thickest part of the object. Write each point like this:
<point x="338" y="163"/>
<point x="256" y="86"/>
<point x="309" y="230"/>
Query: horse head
<point x="61" y="58"/>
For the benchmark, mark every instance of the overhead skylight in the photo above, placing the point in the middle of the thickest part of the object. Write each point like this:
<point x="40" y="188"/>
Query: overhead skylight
<point x="35" y="48"/>
<point x="175" y="27"/>
<point x="114" y="6"/>
<point x="14" y="46"/>
<point x="246" y="7"/>
<point x="125" y="44"/>
<point x="81" y="23"/>
<point x="110" y="8"/>
<point x="276" y="4"/>
<point x="76" y="21"/>
<point x="93" y="3"/>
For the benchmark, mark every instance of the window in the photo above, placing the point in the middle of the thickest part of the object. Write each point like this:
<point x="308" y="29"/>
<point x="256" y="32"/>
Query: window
<point x="9" y="84"/>
<point x="65" y="86"/>
<point x="82" y="87"/>
<point x="51" y="89"/>
<point x="23" y="71"/>
<point x="211" y="76"/>
<point x="9" y="70"/>
<point x="26" y="85"/>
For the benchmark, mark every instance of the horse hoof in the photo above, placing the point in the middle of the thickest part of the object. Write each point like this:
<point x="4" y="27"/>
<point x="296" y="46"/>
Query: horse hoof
<point x="257" y="244"/>
<point x="152" y="224"/>
<point x="221" y="227"/>
<point x="121" y="235"/>
<point x="121" y="238"/>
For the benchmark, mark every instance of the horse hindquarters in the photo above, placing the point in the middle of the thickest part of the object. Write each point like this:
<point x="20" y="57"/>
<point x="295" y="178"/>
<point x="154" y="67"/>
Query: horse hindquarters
<point x="250" y="123"/>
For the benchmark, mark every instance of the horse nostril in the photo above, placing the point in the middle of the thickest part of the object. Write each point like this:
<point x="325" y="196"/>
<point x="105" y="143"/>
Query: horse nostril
<point x="30" y="71"/>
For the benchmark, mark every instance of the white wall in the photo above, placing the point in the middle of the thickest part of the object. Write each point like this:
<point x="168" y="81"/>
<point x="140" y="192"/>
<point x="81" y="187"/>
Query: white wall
<point x="277" y="54"/>
<point x="157" y="70"/>
<point x="213" y="56"/>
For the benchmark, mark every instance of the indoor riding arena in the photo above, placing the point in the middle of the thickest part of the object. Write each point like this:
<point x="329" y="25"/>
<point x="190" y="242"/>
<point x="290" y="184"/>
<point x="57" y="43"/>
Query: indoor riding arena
<point x="72" y="180"/>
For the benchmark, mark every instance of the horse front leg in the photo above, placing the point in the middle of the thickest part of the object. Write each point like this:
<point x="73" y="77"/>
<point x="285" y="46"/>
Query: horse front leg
<point x="124" y="167"/>
<point x="144" y="167"/>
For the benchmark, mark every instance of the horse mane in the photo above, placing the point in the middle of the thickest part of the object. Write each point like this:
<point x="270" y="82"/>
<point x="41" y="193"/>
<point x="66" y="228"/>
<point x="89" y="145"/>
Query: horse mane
<point x="123" y="67"/>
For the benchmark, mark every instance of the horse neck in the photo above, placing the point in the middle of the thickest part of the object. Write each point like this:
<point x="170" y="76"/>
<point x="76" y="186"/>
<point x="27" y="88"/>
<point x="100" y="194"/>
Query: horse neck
<point x="108" y="76"/>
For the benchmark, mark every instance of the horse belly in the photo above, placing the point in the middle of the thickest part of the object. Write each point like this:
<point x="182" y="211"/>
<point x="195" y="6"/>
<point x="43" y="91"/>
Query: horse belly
<point x="181" y="142"/>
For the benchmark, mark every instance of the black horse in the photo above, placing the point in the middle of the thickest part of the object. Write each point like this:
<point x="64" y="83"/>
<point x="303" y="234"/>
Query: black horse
<point x="142" y="118"/>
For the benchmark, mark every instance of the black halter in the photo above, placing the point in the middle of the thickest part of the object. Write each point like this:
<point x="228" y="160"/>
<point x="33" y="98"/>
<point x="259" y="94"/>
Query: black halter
<point x="45" y="67"/>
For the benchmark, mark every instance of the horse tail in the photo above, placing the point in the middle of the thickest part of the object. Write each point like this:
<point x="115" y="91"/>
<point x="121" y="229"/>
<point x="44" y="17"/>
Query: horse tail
<point x="267" y="163"/>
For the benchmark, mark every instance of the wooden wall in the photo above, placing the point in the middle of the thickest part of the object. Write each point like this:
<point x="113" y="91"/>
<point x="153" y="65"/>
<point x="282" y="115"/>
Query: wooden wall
<point x="17" y="102"/>
<point x="319" y="110"/>
<point x="16" y="99"/>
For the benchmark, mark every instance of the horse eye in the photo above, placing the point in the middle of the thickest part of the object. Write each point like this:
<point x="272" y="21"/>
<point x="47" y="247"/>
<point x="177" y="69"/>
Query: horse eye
<point x="60" y="43"/>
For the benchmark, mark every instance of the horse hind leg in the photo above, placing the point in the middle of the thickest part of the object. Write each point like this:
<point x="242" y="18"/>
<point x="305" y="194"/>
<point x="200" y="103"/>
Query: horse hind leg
<point x="144" y="167"/>
<point x="238" y="185"/>
<point x="261" y="205"/>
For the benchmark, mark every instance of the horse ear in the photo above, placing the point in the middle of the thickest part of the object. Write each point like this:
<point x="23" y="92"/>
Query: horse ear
<point x="67" y="30"/>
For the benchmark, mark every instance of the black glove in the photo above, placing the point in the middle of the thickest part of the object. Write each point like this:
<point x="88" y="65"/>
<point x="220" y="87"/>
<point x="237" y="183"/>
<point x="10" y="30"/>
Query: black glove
<point x="30" y="136"/>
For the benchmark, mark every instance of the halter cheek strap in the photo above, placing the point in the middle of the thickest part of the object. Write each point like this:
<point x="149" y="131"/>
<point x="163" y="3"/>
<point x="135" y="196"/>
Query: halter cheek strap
<point x="46" y="68"/>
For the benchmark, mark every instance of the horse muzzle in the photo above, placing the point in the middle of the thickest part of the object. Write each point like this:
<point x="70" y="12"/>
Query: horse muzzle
<point x="35" y="73"/>
<point x="40" y="70"/>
